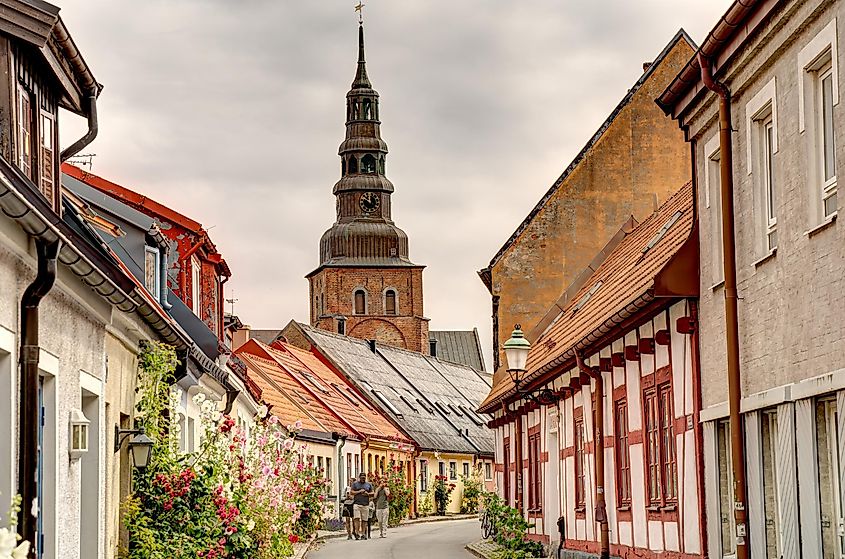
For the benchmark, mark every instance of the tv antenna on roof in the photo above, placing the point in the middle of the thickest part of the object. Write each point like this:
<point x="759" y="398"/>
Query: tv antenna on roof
<point x="83" y="160"/>
<point x="232" y="302"/>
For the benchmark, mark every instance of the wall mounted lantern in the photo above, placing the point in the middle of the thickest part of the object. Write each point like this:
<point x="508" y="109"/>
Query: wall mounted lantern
<point x="140" y="446"/>
<point x="516" y="354"/>
<point x="79" y="425"/>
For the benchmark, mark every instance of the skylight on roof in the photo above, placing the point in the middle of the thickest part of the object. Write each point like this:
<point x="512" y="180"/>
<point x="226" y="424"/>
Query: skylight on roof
<point x="663" y="230"/>
<point x="425" y="406"/>
<point x="387" y="403"/>
<point x="456" y="409"/>
<point x="316" y="383"/>
<point x="409" y="404"/>
<point x="586" y="297"/>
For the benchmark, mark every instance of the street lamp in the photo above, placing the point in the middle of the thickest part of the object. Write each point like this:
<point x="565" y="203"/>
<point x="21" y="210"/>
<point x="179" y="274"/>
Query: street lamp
<point x="140" y="446"/>
<point x="516" y="355"/>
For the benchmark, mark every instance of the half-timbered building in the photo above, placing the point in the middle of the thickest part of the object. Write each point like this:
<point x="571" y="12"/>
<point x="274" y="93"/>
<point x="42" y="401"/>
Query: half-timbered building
<point x="599" y="444"/>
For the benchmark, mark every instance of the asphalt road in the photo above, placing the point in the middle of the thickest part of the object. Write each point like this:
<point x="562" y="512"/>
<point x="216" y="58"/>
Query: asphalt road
<point x="436" y="540"/>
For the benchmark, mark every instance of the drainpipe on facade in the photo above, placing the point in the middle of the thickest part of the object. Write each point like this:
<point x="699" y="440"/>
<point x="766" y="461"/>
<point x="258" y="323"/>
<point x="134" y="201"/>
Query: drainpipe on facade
<point x="415" y="457"/>
<point x="30" y="410"/>
<point x="598" y="445"/>
<point x="518" y="453"/>
<point x="90" y="135"/>
<point x="341" y="441"/>
<point x="731" y="314"/>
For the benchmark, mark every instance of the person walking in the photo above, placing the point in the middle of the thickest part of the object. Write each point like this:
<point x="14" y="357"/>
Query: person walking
<point x="382" y="508"/>
<point x="362" y="492"/>
<point x="347" y="511"/>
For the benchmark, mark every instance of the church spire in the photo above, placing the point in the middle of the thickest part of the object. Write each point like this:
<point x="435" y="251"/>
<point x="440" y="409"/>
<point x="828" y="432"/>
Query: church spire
<point x="361" y="80"/>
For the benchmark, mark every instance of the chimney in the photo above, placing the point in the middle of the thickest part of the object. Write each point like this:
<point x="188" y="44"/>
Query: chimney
<point x="646" y="66"/>
<point x="432" y="347"/>
<point x="372" y="344"/>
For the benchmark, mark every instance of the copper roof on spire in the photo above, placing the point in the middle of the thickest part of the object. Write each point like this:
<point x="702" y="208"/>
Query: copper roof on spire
<point x="361" y="80"/>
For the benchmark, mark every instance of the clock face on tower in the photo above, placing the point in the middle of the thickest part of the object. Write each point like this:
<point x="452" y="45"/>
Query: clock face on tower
<point x="369" y="202"/>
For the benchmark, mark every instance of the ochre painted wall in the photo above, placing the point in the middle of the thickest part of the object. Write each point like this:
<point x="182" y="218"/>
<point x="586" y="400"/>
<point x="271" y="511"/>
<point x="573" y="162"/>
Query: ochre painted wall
<point x="636" y="164"/>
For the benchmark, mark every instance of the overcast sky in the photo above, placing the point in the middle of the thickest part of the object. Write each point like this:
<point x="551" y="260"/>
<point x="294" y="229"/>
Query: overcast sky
<point x="231" y="112"/>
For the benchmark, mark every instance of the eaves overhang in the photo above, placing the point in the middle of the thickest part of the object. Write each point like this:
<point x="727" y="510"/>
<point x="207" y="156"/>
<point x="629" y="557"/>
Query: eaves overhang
<point x="20" y="202"/>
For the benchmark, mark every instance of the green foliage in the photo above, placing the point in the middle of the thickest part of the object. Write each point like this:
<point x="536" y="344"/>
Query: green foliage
<point x="232" y="499"/>
<point x="401" y="492"/>
<point x="442" y="494"/>
<point x="426" y="505"/>
<point x="472" y="492"/>
<point x="510" y="529"/>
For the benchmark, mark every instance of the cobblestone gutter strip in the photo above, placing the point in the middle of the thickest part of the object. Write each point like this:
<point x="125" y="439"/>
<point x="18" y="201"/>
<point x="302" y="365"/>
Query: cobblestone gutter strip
<point x="483" y="549"/>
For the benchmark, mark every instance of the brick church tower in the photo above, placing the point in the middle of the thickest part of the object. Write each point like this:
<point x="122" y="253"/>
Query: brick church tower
<point x="366" y="286"/>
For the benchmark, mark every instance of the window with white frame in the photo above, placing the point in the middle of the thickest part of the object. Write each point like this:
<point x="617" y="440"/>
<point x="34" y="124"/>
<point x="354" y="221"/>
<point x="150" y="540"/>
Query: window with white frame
<point x="713" y="203"/>
<point x="762" y="140"/>
<point x="152" y="270"/>
<point x="767" y="181"/>
<point x="196" y="285"/>
<point x="826" y="151"/>
<point x="818" y="95"/>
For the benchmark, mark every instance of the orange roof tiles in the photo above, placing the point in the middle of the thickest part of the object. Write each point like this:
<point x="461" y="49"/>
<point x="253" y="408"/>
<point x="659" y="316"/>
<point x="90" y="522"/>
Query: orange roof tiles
<point x="364" y="418"/>
<point x="626" y="277"/>
<point x="280" y="388"/>
<point x="297" y="382"/>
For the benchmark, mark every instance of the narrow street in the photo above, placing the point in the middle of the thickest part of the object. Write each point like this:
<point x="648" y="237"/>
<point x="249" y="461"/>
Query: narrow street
<point x="428" y="539"/>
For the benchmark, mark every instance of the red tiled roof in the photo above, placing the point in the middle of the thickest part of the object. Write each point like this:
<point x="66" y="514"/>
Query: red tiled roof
<point x="627" y="276"/>
<point x="146" y="205"/>
<point x="288" y="397"/>
<point x="364" y="418"/>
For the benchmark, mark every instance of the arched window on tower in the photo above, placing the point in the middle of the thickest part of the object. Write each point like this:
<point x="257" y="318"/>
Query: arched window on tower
<point x="356" y="107"/>
<point x="368" y="109"/>
<point x="368" y="164"/>
<point x="390" y="302"/>
<point x="381" y="165"/>
<point x="342" y="167"/>
<point x="353" y="165"/>
<point x="360" y="301"/>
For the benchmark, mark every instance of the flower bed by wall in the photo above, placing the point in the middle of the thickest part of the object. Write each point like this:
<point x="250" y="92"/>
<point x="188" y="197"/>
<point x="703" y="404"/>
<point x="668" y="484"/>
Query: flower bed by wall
<point x="234" y="498"/>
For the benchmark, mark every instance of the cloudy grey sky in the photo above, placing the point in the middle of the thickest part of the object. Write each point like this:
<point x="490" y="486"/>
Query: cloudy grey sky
<point x="231" y="112"/>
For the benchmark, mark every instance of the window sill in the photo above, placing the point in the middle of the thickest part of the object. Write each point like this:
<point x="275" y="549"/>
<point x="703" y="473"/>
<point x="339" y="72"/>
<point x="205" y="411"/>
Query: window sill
<point x="580" y="509"/>
<point x="669" y="508"/>
<point x="653" y="508"/>
<point x="770" y="256"/>
<point x="717" y="285"/>
<point x="623" y="508"/>
<point x="830" y="220"/>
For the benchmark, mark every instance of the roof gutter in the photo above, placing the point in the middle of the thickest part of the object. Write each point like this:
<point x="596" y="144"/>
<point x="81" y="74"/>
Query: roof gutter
<point x="714" y="47"/>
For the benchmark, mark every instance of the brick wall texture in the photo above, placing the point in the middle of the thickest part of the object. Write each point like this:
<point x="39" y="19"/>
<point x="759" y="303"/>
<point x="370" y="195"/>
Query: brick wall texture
<point x="332" y="296"/>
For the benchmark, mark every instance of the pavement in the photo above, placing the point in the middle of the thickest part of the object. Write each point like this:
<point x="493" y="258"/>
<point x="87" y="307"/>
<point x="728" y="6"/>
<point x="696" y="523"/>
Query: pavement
<point x="419" y="540"/>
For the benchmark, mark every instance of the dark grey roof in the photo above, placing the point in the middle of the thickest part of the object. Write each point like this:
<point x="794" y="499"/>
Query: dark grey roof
<point x="433" y="401"/>
<point x="459" y="346"/>
<point x="266" y="337"/>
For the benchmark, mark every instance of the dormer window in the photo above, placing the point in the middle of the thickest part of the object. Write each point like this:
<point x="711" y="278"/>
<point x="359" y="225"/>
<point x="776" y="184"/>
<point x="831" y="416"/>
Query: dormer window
<point x="25" y="126"/>
<point x="48" y="154"/>
<point x="196" y="285"/>
<point x="353" y="164"/>
<point x="360" y="301"/>
<point x="152" y="270"/>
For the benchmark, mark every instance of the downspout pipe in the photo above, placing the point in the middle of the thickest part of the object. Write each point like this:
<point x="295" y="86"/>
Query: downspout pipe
<point x="30" y="410"/>
<point x="598" y="440"/>
<point x="90" y="135"/>
<point x="731" y="313"/>
<point x="341" y="483"/>
<point x="518" y="456"/>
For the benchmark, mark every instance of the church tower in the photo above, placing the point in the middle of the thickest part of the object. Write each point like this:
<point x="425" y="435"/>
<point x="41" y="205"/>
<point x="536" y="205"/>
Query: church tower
<point x="366" y="286"/>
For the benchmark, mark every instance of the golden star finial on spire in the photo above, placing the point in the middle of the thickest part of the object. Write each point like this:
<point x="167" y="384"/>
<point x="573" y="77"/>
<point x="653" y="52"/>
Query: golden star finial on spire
<point x="360" y="9"/>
